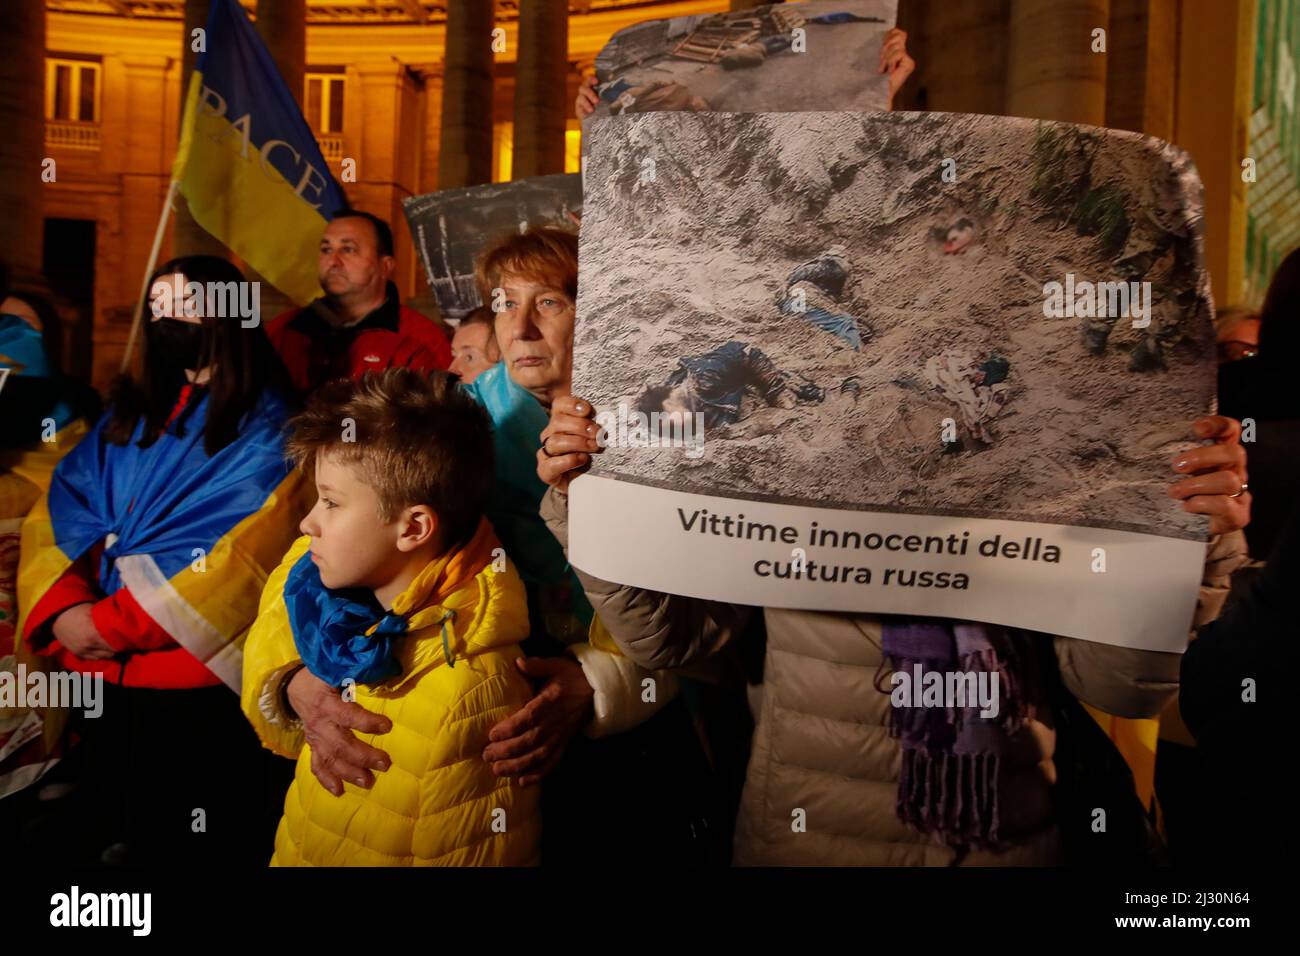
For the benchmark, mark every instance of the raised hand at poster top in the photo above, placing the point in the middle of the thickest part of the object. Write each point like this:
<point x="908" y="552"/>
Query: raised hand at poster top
<point x="894" y="60"/>
<point x="587" y="99"/>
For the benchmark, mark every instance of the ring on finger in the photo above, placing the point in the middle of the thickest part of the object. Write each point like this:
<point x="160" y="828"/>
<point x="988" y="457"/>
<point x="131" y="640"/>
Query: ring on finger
<point x="1244" y="488"/>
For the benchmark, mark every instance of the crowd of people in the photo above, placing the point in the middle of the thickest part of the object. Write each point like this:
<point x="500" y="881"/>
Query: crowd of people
<point x="340" y="539"/>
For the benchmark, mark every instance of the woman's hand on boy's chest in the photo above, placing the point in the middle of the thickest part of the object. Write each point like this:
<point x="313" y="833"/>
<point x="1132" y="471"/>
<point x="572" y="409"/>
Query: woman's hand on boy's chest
<point x="529" y="743"/>
<point x="331" y="721"/>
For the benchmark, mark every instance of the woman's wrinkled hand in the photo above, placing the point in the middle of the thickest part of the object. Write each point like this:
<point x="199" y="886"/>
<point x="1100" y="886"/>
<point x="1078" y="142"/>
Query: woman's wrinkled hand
<point x="329" y="722"/>
<point x="568" y="442"/>
<point x="529" y="743"/>
<point x="1216" y="485"/>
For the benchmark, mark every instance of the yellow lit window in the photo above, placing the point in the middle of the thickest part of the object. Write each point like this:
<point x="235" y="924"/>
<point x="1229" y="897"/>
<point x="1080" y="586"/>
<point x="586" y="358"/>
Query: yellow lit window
<point x="72" y="90"/>
<point x="324" y="102"/>
<point x="503" y="149"/>
<point x="573" y="147"/>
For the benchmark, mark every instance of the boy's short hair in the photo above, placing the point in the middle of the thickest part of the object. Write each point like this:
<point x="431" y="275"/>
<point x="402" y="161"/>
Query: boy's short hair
<point x="545" y="254"/>
<point x="418" y="440"/>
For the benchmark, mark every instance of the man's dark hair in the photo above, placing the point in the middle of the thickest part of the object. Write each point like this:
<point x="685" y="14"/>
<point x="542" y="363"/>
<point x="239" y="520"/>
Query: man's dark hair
<point x="383" y="234"/>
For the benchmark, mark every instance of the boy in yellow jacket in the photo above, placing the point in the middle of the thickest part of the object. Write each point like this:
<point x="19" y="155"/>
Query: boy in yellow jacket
<point x="399" y="595"/>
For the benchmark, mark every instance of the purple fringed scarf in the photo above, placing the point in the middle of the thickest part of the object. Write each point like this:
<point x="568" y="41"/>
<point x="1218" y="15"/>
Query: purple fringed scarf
<point x="952" y="756"/>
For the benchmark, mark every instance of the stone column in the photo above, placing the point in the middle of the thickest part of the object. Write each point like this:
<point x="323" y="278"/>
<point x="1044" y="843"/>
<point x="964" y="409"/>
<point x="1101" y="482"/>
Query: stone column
<point x="388" y="168"/>
<point x="188" y="237"/>
<point x="466" y="147"/>
<point x="961" y="56"/>
<point x="1052" y="72"/>
<point x="144" y="179"/>
<point x="1142" y="70"/>
<point x="432" y="147"/>
<point x="22" y="117"/>
<point x="282" y="25"/>
<point x="430" y="140"/>
<point x="1216" y="69"/>
<point x="541" y="88"/>
<point x="134" y="116"/>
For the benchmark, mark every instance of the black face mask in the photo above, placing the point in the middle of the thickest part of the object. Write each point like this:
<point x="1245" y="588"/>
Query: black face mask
<point x="175" y="345"/>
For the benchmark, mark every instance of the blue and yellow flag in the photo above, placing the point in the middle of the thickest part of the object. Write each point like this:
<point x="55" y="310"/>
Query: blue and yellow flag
<point x="247" y="162"/>
<point x="192" y="536"/>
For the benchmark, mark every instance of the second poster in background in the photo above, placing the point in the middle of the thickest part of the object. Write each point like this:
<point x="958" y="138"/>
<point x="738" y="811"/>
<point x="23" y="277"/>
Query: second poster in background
<point x="453" y="227"/>
<point x="813" y="55"/>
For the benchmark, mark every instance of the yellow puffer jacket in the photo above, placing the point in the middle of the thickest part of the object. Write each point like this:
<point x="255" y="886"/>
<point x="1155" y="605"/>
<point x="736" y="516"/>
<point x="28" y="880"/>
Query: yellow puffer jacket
<point x="439" y="803"/>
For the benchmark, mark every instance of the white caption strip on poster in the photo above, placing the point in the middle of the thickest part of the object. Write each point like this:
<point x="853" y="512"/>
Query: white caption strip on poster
<point x="1113" y="587"/>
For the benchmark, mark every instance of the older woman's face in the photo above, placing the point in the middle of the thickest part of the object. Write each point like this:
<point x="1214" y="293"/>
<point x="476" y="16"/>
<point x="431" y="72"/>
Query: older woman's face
<point x="534" y="329"/>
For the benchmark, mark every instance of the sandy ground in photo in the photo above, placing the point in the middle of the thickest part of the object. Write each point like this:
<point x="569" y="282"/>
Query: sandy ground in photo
<point x="699" y="256"/>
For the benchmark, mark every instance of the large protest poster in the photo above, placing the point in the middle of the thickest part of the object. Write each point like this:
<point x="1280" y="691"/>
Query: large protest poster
<point x="905" y="363"/>
<point x="452" y="227"/>
<point x="818" y="54"/>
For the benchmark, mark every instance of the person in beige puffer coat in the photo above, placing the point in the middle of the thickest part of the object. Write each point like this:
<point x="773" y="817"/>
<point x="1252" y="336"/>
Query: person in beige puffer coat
<point x="822" y="742"/>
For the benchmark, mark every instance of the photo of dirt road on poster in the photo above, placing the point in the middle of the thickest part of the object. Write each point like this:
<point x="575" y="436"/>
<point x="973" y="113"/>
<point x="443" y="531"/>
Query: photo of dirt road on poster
<point x="452" y="227"/>
<point x="819" y="54"/>
<point x="937" y="324"/>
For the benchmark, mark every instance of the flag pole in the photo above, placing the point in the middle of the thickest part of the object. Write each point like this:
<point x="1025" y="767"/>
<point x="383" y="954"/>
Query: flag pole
<point x="153" y="263"/>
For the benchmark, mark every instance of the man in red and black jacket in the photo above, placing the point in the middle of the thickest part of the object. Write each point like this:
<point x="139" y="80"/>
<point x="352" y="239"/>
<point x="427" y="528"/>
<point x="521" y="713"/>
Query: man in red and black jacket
<point x="359" y="324"/>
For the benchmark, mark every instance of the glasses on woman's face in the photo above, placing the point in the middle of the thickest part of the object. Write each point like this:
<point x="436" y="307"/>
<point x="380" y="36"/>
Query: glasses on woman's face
<point x="1233" y="350"/>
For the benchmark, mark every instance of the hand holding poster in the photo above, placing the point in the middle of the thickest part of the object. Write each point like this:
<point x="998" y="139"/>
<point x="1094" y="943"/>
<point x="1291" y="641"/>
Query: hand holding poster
<point x="901" y="363"/>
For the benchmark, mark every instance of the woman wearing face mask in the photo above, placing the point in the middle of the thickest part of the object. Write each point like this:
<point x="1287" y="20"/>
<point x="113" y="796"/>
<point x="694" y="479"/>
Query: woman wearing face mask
<point x="143" y="564"/>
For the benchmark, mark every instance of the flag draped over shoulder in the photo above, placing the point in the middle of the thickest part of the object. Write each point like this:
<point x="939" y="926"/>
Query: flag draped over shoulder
<point x="247" y="162"/>
<point x="192" y="536"/>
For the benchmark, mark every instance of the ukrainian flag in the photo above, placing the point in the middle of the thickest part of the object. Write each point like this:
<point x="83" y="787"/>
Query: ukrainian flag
<point x="192" y="536"/>
<point x="247" y="162"/>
